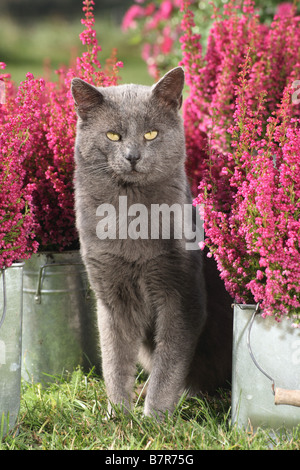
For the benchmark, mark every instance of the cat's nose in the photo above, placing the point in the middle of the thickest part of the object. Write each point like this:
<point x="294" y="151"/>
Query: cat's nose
<point x="133" y="157"/>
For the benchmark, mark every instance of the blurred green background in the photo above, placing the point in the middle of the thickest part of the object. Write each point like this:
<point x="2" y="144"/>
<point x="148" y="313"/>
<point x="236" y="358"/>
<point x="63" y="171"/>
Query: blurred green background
<point x="36" y="35"/>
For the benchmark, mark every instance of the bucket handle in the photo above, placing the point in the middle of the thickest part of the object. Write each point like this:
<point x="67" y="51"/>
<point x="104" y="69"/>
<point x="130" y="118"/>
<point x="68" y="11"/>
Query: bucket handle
<point x="37" y="296"/>
<point x="4" y="297"/>
<point x="281" y="396"/>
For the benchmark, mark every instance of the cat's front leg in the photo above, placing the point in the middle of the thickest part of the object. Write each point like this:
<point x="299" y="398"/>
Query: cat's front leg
<point x="172" y="357"/>
<point x="119" y="351"/>
<point x="165" y="386"/>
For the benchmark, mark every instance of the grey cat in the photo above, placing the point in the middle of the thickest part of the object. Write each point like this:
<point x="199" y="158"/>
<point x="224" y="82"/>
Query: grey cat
<point x="153" y="301"/>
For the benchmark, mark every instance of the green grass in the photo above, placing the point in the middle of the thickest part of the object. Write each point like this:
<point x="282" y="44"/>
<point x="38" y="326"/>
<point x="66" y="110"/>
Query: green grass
<point x="71" y="415"/>
<point x="49" y="43"/>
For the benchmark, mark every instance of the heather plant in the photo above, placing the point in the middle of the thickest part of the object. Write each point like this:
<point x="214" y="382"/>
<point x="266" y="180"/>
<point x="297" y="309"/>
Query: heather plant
<point x="253" y="232"/>
<point x="156" y="24"/>
<point x="51" y="172"/>
<point x="212" y="76"/>
<point x="16" y="221"/>
<point x="242" y="133"/>
<point x="43" y="132"/>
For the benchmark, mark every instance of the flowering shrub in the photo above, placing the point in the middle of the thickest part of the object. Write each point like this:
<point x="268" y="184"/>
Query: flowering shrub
<point x="159" y="26"/>
<point x="45" y="131"/>
<point x="243" y="147"/>
<point x="212" y="78"/>
<point x="16" y="231"/>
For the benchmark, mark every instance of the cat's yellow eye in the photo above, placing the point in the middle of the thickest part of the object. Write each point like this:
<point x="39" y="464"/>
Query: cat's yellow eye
<point x="113" y="136"/>
<point x="151" y="135"/>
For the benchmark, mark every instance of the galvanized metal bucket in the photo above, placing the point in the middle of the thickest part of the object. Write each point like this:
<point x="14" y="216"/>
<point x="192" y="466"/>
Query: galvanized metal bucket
<point x="59" y="317"/>
<point x="266" y="371"/>
<point x="10" y="345"/>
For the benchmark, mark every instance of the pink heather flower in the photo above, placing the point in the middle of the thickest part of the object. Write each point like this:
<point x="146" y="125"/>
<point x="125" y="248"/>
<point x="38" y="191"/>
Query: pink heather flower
<point x="134" y="12"/>
<point x="285" y="9"/>
<point x="259" y="274"/>
<point x="167" y="45"/>
<point x="149" y="9"/>
<point x="158" y="29"/>
<point x="166" y="9"/>
<point x="16" y="220"/>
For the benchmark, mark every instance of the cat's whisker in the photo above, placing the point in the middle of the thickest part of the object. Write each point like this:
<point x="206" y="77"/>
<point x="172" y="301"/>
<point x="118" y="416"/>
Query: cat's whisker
<point x="156" y="168"/>
<point x="97" y="165"/>
<point x="94" y="169"/>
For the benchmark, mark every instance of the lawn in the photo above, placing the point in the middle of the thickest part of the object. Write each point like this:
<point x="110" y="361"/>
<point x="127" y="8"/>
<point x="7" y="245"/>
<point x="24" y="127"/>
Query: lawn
<point x="44" y="45"/>
<point x="71" y="415"/>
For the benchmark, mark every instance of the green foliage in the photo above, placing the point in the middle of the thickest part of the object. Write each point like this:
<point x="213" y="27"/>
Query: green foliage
<point x="43" y="45"/>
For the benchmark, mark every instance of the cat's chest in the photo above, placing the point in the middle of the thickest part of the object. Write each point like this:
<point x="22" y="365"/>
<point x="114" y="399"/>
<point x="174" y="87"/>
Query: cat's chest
<point x="133" y="223"/>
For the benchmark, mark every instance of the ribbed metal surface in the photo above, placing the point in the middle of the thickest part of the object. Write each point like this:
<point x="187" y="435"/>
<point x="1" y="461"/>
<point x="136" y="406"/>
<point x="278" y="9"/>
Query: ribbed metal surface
<point x="276" y="348"/>
<point x="10" y="344"/>
<point x="59" y="320"/>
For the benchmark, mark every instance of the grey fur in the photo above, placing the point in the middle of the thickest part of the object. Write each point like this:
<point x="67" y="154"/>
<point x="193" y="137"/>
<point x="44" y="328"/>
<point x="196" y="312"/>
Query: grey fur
<point x="151" y="294"/>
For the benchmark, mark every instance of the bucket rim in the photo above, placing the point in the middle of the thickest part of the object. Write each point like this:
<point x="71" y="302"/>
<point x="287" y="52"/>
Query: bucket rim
<point x="16" y="264"/>
<point x="244" y="306"/>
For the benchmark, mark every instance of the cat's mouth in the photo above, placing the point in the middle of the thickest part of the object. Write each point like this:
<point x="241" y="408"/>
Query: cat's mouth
<point x="133" y="170"/>
<point x="130" y="173"/>
<point x="133" y="167"/>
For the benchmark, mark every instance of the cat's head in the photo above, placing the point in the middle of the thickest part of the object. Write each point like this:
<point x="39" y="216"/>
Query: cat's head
<point x="133" y="132"/>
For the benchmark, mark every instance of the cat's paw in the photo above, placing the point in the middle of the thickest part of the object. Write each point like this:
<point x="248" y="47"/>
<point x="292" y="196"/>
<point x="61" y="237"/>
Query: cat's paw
<point x="115" y="410"/>
<point x="157" y="415"/>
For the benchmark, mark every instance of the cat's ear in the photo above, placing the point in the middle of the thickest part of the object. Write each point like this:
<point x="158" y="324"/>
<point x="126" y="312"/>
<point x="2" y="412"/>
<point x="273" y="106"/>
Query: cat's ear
<point x="168" y="90"/>
<point x="85" y="96"/>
